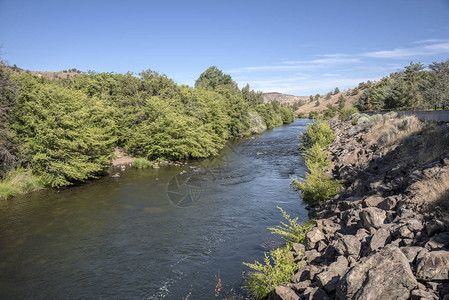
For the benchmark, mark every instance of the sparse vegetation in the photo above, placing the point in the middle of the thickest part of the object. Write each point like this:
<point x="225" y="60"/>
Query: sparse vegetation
<point x="278" y="265"/>
<point x="141" y="163"/>
<point x="346" y="113"/>
<point x="19" y="181"/>
<point x="317" y="186"/>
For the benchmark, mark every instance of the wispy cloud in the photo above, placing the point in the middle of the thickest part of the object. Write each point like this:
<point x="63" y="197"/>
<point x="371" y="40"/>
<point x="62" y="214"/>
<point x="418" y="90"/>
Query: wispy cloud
<point x="301" y="86"/>
<point x="430" y="41"/>
<point x="430" y="49"/>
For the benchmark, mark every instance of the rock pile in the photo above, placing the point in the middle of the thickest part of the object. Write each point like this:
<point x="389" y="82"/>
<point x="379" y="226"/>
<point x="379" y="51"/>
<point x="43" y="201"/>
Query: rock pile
<point x="377" y="239"/>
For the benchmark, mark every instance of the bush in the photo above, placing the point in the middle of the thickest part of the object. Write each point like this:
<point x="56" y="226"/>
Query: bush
<point x="141" y="163"/>
<point x="314" y="115"/>
<point x="390" y="115"/>
<point x="346" y="113"/>
<point x="317" y="187"/>
<point x="278" y="266"/>
<point x="19" y="181"/>
<point x="317" y="132"/>
<point x="293" y="232"/>
<point x="407" y="123"/>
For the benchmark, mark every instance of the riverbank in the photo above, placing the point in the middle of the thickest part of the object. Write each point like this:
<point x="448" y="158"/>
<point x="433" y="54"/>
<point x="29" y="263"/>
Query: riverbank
<point x="386" y="234"/>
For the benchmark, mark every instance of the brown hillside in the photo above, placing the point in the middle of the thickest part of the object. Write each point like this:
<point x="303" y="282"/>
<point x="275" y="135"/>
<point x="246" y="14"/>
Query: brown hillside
<point x="283" y="98"/>
<point x="49" y="74"/>
<point x="310" y="105"/>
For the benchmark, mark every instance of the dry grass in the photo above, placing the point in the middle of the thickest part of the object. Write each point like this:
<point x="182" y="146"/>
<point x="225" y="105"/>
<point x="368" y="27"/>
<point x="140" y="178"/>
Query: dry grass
<point x="434" y="192"/>
<point x="310" y="106"/>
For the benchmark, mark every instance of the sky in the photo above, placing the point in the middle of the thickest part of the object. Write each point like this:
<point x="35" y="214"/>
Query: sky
<point x="296" y="47"/>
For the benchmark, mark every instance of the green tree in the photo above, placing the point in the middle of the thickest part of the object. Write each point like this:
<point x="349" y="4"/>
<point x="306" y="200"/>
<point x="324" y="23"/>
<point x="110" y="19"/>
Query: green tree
<point x="213" y="78"/>
<point x="65" y="136"/>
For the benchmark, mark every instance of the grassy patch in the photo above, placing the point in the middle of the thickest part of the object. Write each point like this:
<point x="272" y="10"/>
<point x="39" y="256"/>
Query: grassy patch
<point x="141" y="163"/>
<point x="19" y="181"/>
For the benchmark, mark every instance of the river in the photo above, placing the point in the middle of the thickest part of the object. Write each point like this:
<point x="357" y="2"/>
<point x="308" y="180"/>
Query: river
<point x="155" y="233"/>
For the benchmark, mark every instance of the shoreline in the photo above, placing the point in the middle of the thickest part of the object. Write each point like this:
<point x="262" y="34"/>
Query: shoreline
<point x="386" y="235"/>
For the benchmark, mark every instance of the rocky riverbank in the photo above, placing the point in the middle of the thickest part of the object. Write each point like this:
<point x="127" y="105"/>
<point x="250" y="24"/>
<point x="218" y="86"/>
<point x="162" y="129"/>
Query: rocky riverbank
<point x="386" y="235"/>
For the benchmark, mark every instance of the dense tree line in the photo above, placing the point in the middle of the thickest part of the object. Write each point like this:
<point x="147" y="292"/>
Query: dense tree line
<point x="414" y="86"/>
<point x="66" y="130"/>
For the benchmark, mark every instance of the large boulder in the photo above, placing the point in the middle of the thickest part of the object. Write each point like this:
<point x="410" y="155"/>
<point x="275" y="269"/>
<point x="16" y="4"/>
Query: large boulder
<point x="383" y="275"/>
<point x="348" y="245"/>
<point x="313" y="237"/>
<point x="379" y="239"/>
<point x="328" y="279"/>
<point x="285" y="293"/>
<point x="434" y="266"/>
<point x="372" y="217"/>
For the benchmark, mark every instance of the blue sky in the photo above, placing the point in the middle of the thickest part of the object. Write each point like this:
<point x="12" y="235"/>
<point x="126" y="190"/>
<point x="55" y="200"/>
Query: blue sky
<point x="296" y="47"/>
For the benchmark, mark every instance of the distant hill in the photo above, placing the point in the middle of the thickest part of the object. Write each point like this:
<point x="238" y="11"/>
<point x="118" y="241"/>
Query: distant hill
<point x="350" y="95"/>
<point x="283" y="98"/>
<point x="49" y="74"/>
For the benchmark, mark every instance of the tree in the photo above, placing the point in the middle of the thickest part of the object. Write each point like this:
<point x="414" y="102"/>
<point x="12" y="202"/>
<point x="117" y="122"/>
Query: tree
<point x="328" y="96"/>
<point x="341" y="102"/>
<point x="212" y="78"/>
<point x="436" y="88"/>
<point x="336" y="91"/>
<point x="317" y="96"/>
<point x="8" y="97"/>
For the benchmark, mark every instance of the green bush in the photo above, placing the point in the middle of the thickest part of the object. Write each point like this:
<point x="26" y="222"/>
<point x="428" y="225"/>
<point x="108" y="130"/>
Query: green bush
<point x="141" y="163"/>
<point x="317" y="132"/>
<point x="278" y="266"/>
<point x="346" y="113"/>
<point x="292" y="231"/>
<point x="19" y="181"/>
<point x="313" y="115"/>
<point x="317" y="187"/>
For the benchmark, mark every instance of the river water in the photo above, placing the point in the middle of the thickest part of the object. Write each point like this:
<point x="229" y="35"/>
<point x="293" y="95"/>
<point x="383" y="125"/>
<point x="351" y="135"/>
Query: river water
<point x="156" y="233"/>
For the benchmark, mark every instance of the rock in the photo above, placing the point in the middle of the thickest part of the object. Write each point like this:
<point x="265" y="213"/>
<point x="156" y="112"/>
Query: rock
<point x="434" y="226"/>
<point x="299" y="249"/>
<point x="300" y="286"/>
<point x="388" y="203"/>
<point x="383" y="275"/>
<point x="348" y="245"/>
<point x="379" y="239"/>
<point x="316" y="293"/>
<point x="372" y="217"/>
<point x="434" y="266"/>
<point x="328" y="279"/>
<point x="438" y="241"/>
<point x="310" y="255"/>
<point x="302" y="274"/>
<point x="372" y="201"/>
<point x="285" y="293"/>
<point x="414" y="225"/>
<point x="321" y="245"/>
<point x="404" y="232"/>
<point x="116" y="175"/>
<point x="412" y="252"/>
<point x="422" y="295"/>
<point x="312" y="238"/>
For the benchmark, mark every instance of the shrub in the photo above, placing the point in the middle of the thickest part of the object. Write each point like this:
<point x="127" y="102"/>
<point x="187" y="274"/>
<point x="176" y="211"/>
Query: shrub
<point x="407" y="123"/>
<point x="19" y="181"/>
<point x="314" y="115"/>
<point x="317" y="157"/>
<point x="390" y="115"/>
<point x="346" y="113"/>
<point x="317" y="187"/>
<point x="293" y="232"/>
<point x="256" y="122"/>
<point x="278" y="268"/>
<point x="141" y="163"/>
<point x="317" y="132"/>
